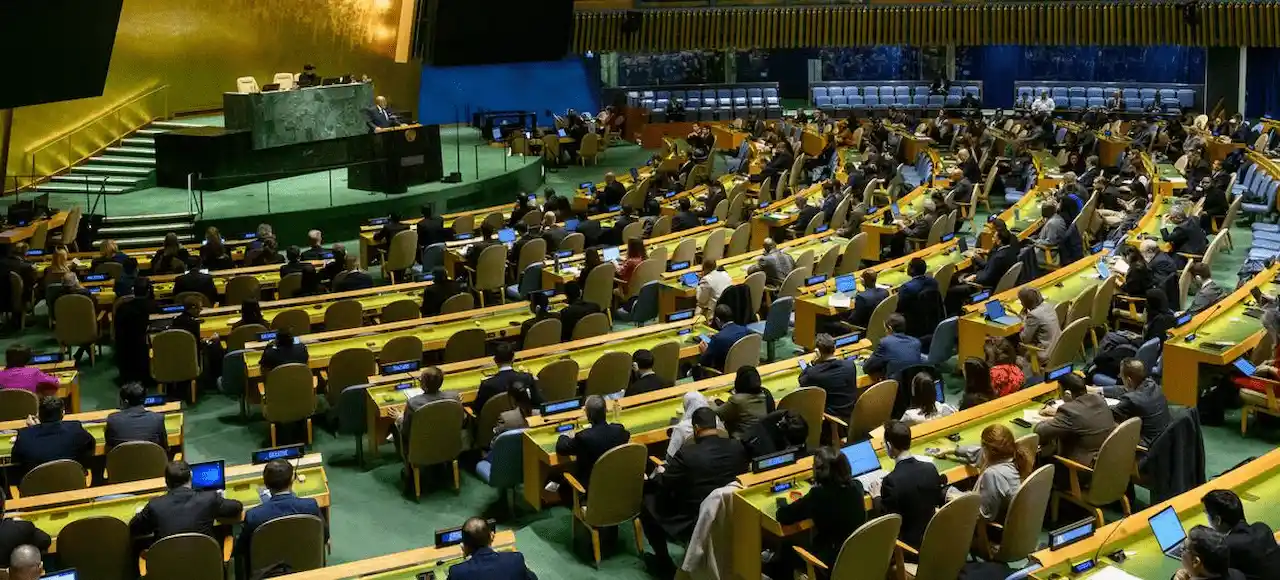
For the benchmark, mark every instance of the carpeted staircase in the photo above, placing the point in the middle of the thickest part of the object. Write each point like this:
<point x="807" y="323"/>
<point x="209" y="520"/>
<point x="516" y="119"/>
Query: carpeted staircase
<point x="121" y="168"/>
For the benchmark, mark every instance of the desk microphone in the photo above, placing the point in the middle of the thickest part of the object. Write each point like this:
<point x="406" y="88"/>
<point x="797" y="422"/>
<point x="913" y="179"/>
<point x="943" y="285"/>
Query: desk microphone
<point x="1118" y="524"/>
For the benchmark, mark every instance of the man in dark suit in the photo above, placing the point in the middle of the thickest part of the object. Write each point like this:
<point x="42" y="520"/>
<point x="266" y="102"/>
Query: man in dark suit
<point x="1186" y="237"/>
<point x="389" y="230"/>
<point x="575" y="309"/>
<point x="295" y="265"/>
<point x="866" y="301"/>
<point x="431" y="229"/>
<point x="15" y="532"/>
<point x="1140" y="396"/>
<point x="279" y="501"/>
<point x="589" y="228"/>
<point x="379" y="116"/>
<point x="182" y="510"/>
<point x="335" y="265"/>
<point x="913" y="490"/>
<point x="196" y="281"/>
<point x="685" y="218"/>
<point x="994" y="266"/>
<point x="613" y="235"/>
<point x="1253" y="546"/>
<point x="433" y="296"/>
<point x="675" y="492"/>
<point x="483" y="562"/>
<point x="961" y="187"/>
<point x="612" y="193"/>
<point x="132" y="320"/>
<point x="1078" y="426"/>
<point x="504" y="353"/>
<point x="919" y="282"/>
<point x="715" y="195"/>
<point x="896" y="351"/>
<point x="836" y="376"/>
<point x="430" y="381"/>
<point x="355" y="278"/>
<point x="716" y="350"/>
<point x="591" y="443"/>
<point x="645" y="380"/>
<point x="1206" y="555"/>
<point x="479" y="246"/>
<point x="807" y="213"/>
<point x="315" y="246"/>
<point x="134" y="422"/>
<point x="50" y="438"/>
<point x="552" y="232"/>
<point x="285" y="349"/>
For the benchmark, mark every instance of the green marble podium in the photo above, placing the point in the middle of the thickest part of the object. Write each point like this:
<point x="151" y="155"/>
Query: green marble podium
<point x="280" y="118"/>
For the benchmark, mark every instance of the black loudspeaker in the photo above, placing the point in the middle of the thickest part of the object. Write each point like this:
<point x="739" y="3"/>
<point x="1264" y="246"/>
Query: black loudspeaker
<point x="631" y="24"/>
<point x="474" y="32"/>
<point x="71" y="53"/>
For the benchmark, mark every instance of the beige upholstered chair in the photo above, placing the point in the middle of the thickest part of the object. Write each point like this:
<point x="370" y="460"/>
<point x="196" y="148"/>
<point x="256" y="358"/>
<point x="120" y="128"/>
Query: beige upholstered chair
<point x="809" y="402"/>
<point x="345" y="314"/>
<point x="458" y="303"/>
<point x="284" y="79"/>
<point x="490" y="273"/>
<point x="1108" y="476"/>
<point x="296" y="540"/>
<point x="618" y="481"/>
<point x="247" y="85"/>
<point x="1020" y="532"/>
<point x="851" y="259"/>
<point x="558" y="381"/>
<point x="288" y="286"/>
<point x="403" y="251"/>
<point x="867" y="553"/>
<point x="436" y="439"/>
<point x="351" y="366"/>
<point x="297" y="321"/>
<point x="603" y="378"/>
<point x="18" y="404"/>
<point x="467" y="344"/>
<point x="98" y="547"/>
<point x="543" y="333"/>
<point x="186" y="556"/>
<point x="54" y="477"/>
<point x="77" y="324"/>
<point x="174" y="359"/>
<point x="879" y="316"/>
<point x="241" y="288"/>
<point x="289" y="396"/>
<point x="591" y="325"/>
<point x="942" y="553"/>
<point x="136" y="460"/>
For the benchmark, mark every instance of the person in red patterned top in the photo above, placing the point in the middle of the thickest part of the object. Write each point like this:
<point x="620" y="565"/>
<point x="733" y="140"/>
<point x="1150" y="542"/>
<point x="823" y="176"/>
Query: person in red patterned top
<point x="1006" y="376"/>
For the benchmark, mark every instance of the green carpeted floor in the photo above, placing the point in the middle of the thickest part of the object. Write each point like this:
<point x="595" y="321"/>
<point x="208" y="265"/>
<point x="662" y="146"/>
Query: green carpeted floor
<point x="371" y="514"/>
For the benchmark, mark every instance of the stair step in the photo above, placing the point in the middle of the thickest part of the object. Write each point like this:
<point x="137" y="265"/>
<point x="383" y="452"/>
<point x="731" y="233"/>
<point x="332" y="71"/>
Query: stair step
<point x="96" y="169"/>
<point x="146" y="228"/>
<point x="139" y="142"/>
<point x="122" y="160"/>
<point x="140" y="242"/>
<point x="132" y="151"/>
<point x="169" y="217"/>
<point x="97" y="179"/>
<point x="55" y="187"/>
<point x="171" y="125"/>
<point x="150" y="132"/>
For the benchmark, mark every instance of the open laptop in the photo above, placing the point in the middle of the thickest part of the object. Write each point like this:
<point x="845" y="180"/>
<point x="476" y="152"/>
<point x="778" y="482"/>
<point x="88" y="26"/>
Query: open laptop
<point x="611" y="254"/>
<point x="996" y="313"/>
<point x="864" y="464"/>
<point x="208" y="476"/>
<point x="1103" y="270"/>
<point x="1169" y="532"/>
<point x="571" y="225"/>
<point x="1245" y="366"/>
<point x="897" y="211"/>
<point x="506" y="235"/>
<point x="846" y="287"/>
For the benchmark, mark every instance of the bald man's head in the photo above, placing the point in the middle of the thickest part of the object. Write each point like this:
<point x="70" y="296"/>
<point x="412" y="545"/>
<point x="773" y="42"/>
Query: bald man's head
<point x="769" y="244"/>
<point x="549" y="219"/>
<point x="476" y="535"/>
<point x="1132" y="373"/>
<point x="25" y="563"/>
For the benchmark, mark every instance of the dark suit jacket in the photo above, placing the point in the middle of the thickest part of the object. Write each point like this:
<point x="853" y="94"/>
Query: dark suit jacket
<point x="275" y="356"/>
<point x="1253" y="550"/>
<point x="388" y="231"/>
<point x="310" y="278"/>
<point x="432" y="231"/>
<point x="182" y="511"/>
<point x="684" y="220"/>
<point x="806" y="215"/>
<point x="913" y="287"/>
<point x="1079" y="428"/>
<point x="14" y="533"/>
<point x="591" y="232"/>
<point x="612" y="194"/>
<point x="136" y="424"/>
<point x="836" y="513"/>
<point x="571" y="314"/>
<point x="720" y="344"/>
<point x="647" y="383"/>
<point x="690" y="476"/>
<point x="613" y="235"/>
<point x="709" y="207"/>
<point x="47" y="442"/>
<point x="864" y="303"/>
<point x="196" y="282"/>
<point x="433" y="296"/>
<point x="554" y="235"/>
<point x="276" y="506"/>
<point x="1147" y="402"/>
<point x="839" y="378"/>
<point x="314" y="253"/>
<point x="1187" y="238"/>
<point x="159" y="265"/>
<point x="498" y="384"/>
<point x="589" y="444"/>
<point x="914" y="489"/>
<point x="188" y="323"/>
<point x="486" y="564"/>
<point x="379" y="118"/>
<point x="894" y="353"/>
<point x="355" y="280"/>
<point x="999" y="262"/>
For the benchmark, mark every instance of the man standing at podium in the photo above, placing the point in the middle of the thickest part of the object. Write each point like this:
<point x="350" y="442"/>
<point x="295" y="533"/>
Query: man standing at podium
<point x="379" y="116"/>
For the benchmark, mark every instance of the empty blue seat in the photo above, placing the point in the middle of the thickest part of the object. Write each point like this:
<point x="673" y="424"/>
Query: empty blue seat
<point x="819" y="92"/>
<point x="662" y="95"/>
<point x="661" y="105"/>
<point x="953" y="100"/>
<point x="1148" y="93"/>
<point x="647" y="103"/>
<point x="1134" y="104"/>
<point x="681" y="95"/>
<point x="886" y="90"/>
<point x="901" y="92"/>
<point x="1186" y="97"/>
<point x="757" y="102"/>
<point x="920" y="90"/>
<point x="955" y="91"/>
<point x="936" y="101"/>
<point x="833" y="91"/>
<point x="1094" y="93"/>
<point x="841" y="102"/>
<point x="646" y="95"/>
<point x="1168" y="94"/>
<point x="1058" y="93"/>
<point x="823" y="102"/>
<point x="871" y="101"/>
<point x="1078" y="102"/>
<point x="1130" y="94"/>
<point x="1095" y="102"/>
<point x="1076" y="92"/>
<point x="920" y="100"/>
<point x="888" y="101"/>
<point x="753" y="93"/>
<point x="855" y="101"/>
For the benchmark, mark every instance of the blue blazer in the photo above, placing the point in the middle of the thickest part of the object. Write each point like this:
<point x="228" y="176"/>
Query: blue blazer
<point x="486" y="564"/>
<point x="914" y="286"/>
<point x="276" y="506"/>
<point x="894" y="353"/>
<point x="719" y="346"/>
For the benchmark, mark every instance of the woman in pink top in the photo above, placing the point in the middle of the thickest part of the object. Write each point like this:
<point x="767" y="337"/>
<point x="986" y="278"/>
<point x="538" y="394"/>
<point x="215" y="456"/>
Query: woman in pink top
<point x="17" y="375"/>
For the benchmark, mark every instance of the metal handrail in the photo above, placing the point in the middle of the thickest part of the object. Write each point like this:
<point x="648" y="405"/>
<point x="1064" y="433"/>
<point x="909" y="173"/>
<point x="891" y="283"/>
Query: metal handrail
<point x="67" y="136"/>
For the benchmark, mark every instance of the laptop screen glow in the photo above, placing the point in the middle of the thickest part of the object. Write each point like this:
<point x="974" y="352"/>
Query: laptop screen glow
<point x="1167" y="528"/>
<point x="846" y="284"/>
<point x="862" y="458"/>
<point x="1245" y="366"/>
<point x="995" y="309"/>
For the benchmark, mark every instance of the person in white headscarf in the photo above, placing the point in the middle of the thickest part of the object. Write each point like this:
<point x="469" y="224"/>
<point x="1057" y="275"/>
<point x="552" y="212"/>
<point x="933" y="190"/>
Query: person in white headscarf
<point x="683" y="431"/>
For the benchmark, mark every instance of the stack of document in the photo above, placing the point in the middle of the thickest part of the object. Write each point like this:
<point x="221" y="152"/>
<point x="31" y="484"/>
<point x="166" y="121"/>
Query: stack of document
<point x="838" y="300"/>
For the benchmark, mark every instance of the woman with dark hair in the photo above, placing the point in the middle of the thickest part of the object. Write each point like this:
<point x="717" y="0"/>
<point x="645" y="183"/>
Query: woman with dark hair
<point x="834" y="503"/>
<point x="17" y="375"/>
<point x="521" y="207"/>
<point x="925" y="405"/>
<point x="171" y="258"/>
<point x="977" y="383"/>
<point x="1138" y="278"/>
<point x="250" y="313"/>
<point x="749" y="402"/>
<point x="213" y="253"/>
<point x="1007" y="375"/>
<point x="1160" y="319"/>
<point x="517" y="417"/>
<point x="590" y="260"/>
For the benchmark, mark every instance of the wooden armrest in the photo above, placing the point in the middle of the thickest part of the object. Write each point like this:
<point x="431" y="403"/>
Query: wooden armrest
<point x="102" y="315"/>
<point x="469" y="411"/>
<point x="1128" y="298"/>
<point x="1191" y="256"/>
<point x="1142" y="449"/>
<point x="573" y="481"/>
<point x="1072" y="465"/>
<point x="836" y="420"/>
<point x="1032" y="348"/>
<point x="906" y="548"/>
<point x="227" y="544"/>
<point x="809" y="558"/>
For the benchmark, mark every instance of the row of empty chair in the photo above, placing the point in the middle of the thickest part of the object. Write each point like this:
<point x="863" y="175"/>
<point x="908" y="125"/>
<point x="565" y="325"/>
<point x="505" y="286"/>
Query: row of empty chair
<point x="250" y="84"/>
<point x="710" y="104"/>
<point x="1082" y="97"/>
<point x="872" y="96"/>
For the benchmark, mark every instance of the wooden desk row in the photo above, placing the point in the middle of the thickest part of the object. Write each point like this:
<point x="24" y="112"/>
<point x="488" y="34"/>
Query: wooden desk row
<point x="17" y="234"/>
<point x="162" y="285"/>
<point x="95" y="422"/>
<point x="406" y="565"/>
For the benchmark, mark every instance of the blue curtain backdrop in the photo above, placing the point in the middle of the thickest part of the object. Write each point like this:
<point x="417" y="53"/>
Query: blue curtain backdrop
<point x="870" y="63"/>
<point x="1262" y="83"/>
<point x="999" y="67"/>
<point x="451" y="94"/>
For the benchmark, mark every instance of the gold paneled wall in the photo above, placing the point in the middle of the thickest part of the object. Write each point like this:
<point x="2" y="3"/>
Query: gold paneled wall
<point x="200" y="47"/>
<point x="1053" y="23"/>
